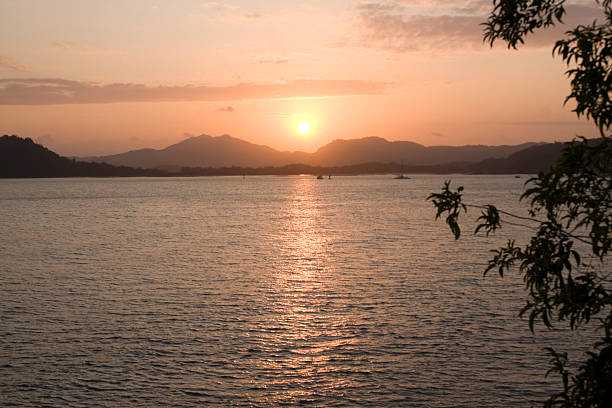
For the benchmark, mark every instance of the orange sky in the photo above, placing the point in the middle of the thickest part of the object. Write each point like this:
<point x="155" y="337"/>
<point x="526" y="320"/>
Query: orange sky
<point x="89" y="78"/>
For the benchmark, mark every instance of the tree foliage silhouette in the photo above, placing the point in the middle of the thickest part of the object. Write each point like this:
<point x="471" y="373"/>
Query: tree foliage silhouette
<point x="564" y="265"/>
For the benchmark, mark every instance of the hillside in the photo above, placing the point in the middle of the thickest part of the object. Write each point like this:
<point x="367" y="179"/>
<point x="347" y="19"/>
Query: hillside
<point x="25" y="159"/>
<point x="532" y="160"/>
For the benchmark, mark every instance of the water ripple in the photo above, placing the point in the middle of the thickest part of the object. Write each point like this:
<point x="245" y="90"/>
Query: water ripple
<point x="269" y="291"/>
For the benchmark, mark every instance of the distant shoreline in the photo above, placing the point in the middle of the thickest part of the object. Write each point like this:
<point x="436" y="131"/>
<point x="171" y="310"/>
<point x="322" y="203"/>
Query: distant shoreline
<point x="290" y="170"/>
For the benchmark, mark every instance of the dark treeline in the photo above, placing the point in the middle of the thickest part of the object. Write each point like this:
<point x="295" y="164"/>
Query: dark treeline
<point x="294" y="169"/>
<point x="23" y="158"/>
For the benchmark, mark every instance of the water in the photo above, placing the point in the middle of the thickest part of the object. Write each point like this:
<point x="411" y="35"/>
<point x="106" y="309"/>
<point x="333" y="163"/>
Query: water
<point x="267" y="291"/>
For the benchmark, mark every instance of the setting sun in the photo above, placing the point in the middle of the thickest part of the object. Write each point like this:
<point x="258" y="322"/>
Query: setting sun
<point x="304" y="127"/>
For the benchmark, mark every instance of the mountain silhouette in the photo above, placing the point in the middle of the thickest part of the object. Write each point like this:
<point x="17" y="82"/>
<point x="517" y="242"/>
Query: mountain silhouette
<point x="204" y="151"/>
<point x="26" y="159"/>
<point x="226" y="151"/>
<point x="532" y="160"/>
<point x="376" y="149"/>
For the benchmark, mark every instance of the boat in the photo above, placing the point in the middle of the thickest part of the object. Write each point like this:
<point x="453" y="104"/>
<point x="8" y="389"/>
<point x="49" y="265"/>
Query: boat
<point x="401" y="175"/>
<point x="319" y="177"/>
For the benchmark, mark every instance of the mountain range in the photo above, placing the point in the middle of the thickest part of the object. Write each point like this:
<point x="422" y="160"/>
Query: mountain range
<point x="21" y="157"/>
<point x="227" y="151"/>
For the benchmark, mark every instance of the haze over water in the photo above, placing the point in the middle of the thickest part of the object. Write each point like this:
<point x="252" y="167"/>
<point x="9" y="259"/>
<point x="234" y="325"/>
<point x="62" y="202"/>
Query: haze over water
<point x="267" y="291"/>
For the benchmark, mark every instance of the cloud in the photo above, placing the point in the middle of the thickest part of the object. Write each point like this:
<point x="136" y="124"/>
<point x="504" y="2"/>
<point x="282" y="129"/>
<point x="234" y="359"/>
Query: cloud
<point x="571" y="123"/>
<point x="274" y="61"/>
<point x="228" y="13"/>
<point x="285" y="58"/>
<point x="236" y="18"/>
<point x="66" y="46"/>
<point x="404" y="26"/>
<point x="70" y="47"/>
<point x="417" y="25"/>
<point x="54" y="91"/>
<point x="213" y="5"/>
<point x="227" y="109"/>
<point x="10" y="63"/>
<point x="45" y="139"/>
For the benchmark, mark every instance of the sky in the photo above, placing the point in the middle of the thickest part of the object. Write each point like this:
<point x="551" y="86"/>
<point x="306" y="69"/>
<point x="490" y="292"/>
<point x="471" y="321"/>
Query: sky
<point x="101" y="77"/>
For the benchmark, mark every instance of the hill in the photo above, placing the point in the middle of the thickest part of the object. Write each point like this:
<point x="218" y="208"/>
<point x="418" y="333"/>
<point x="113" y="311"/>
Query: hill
<point x="532" y="160"/>
<point x="226" y="151"/>
<point x="204" y="151"/>
<point x="376" y="149"/>
<point x="26" y="159"/>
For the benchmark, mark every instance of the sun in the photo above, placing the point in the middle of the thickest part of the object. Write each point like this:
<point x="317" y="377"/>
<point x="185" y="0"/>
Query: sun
<point x="304" y="127"/>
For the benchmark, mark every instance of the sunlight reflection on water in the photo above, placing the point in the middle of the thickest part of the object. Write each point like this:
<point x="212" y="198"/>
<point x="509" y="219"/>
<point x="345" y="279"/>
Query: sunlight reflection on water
<point x="264" y="291"/>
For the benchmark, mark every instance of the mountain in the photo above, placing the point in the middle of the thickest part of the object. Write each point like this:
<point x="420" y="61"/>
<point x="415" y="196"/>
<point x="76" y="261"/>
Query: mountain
<point x="376" y="149"/>
<point x="203" y="151"/>
<point x="227" y="151"/>
<point x="26" y="159"/>
<point x="532" y="160"/>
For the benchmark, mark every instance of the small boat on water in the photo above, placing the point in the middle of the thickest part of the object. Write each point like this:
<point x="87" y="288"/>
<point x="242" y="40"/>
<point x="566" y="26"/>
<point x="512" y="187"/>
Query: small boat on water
<point x="401" y="177"/>
<point x="319" y="177"/>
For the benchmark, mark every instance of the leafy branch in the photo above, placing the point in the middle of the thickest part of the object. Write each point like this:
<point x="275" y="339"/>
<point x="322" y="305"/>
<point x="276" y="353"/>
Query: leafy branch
<point x="569" y="206"/>
<point x="569" y="213"/>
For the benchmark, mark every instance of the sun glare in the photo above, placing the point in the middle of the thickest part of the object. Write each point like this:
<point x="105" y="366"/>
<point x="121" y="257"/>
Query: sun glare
<point x="304" y="127"/>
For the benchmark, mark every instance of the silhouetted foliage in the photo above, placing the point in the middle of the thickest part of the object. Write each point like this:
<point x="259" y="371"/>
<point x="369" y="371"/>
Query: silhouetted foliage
<point x="564" y="266"/>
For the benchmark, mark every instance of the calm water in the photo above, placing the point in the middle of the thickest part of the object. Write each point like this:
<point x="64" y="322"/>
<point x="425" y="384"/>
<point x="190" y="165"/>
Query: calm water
<point x="268" y="291"/>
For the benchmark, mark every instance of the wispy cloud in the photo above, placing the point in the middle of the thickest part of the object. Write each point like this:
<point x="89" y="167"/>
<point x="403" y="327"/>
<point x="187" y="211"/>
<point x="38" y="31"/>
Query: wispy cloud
<point x="571" y="123"/>
<point x="274" y="61"/>
<point x="66" y="46"/>
<point x="285" y="58"/>
<point x="417" y="25"/>
<point x="228" y="13"/>
<point x="45" y="139"/>
<point x="226" y="109"/>
<point x="10" y="63"/>
<point x="218" y="6"/>
<point x="53" y="91"/>
<point x="236" y="17"/>
<point x="71" y="47"/>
